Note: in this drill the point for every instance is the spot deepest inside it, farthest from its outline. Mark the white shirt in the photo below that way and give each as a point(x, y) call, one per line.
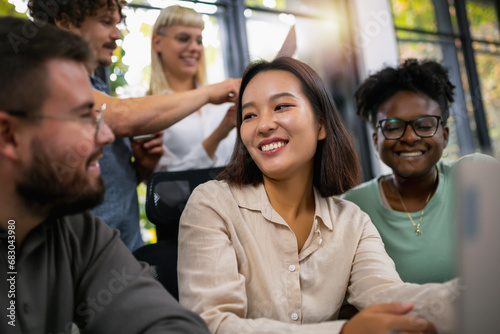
point(183, 141)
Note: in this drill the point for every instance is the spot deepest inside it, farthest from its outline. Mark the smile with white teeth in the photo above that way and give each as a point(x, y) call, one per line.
point(190, 59)
point(272, 146)
point(410, 154)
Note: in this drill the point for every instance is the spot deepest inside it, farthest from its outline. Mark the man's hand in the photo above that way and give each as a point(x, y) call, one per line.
point(147, 153)
point(225, 91)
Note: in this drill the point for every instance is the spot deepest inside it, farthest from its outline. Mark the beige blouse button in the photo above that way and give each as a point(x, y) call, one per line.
point(295, 316)
point(291, 267)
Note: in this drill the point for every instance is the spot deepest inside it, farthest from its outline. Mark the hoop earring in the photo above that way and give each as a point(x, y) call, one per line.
point(445, 153)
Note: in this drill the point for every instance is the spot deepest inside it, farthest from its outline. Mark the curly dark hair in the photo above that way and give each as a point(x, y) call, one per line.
point(76, 10)
point(427, 77)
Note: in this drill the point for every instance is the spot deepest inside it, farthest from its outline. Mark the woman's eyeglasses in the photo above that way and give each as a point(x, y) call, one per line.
point(424, 126)
point(183, 38)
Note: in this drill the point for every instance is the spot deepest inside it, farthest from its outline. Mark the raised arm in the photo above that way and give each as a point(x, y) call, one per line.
point(212, 151)
point(150, 114)
point(228, 123)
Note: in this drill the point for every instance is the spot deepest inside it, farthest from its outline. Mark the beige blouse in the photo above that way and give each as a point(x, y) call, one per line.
point(240, 269)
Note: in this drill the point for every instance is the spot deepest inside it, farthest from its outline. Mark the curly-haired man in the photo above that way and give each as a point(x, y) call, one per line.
point(125, 162)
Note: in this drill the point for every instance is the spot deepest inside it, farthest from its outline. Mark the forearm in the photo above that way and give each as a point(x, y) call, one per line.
point(374, 280)
point(144, 115)
point(211, 143)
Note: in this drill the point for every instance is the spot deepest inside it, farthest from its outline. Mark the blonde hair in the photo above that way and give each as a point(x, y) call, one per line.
point(171, 16)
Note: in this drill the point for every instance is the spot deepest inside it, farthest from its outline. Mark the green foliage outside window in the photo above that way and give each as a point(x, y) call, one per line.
point(8, 9)
point(484, 25)
point(415, 14)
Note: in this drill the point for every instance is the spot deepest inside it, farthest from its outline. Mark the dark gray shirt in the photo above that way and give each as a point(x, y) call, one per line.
point(76, 269)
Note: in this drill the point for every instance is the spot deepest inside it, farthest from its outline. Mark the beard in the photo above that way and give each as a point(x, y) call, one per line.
point(46, 192)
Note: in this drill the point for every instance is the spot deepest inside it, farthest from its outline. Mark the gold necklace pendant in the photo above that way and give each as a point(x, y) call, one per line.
point(418, 232)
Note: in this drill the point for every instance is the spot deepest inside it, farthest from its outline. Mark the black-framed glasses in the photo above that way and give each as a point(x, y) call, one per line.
point(395, 128)
point(96, 121)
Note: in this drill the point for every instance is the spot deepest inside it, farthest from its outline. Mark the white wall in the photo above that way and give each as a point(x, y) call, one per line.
point(376, 47)
point(374, 36)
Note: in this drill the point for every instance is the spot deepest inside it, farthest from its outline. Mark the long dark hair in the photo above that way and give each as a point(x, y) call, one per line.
point(336, 165)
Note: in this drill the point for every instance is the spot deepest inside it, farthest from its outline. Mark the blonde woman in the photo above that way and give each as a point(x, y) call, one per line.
point(204, 138)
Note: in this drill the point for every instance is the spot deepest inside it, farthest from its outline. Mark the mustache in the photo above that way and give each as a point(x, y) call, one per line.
point(111, 45)
point(97, 153)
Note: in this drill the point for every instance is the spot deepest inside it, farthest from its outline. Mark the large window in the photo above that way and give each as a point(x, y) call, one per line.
point(464, 35)
point(130, 73)
point(484, 27)
point(323, 38)
point(240, 31)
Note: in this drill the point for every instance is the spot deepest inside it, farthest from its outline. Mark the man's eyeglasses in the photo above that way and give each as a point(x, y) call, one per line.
point(424, 126)
point(96, 121)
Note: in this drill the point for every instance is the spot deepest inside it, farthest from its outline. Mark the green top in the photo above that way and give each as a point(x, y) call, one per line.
point(419, 259)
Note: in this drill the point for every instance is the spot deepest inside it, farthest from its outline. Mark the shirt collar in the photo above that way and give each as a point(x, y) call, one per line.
point(255, 198)
point(322, 211)
point(98, 84)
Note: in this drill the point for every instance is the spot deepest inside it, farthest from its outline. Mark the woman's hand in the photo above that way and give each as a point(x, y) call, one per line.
point(211, 143)
point(387, 318)
point(228, 122)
